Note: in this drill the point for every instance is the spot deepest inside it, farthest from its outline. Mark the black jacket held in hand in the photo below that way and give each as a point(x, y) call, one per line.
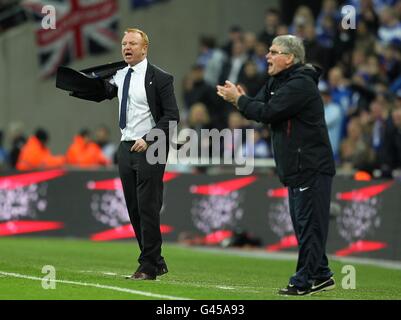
point(290, 102)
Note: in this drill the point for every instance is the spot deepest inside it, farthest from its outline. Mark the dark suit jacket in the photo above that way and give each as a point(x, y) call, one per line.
point(93, 84)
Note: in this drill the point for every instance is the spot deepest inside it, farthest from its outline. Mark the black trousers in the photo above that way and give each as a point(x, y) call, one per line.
point(310, 213)
point(143, 192)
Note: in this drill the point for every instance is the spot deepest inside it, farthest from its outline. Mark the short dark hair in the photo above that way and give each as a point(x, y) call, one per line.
point(42, 135)
point(272, 11)
point(208, 41)
point(84, 132)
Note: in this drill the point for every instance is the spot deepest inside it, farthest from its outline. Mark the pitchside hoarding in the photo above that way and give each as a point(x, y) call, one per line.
point(200, 209)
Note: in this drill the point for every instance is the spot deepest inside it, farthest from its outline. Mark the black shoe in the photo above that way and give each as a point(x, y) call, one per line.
point(292, 290)
point(323, 285)
point(161, 270)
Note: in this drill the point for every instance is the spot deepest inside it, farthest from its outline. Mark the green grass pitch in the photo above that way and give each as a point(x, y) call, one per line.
point(89, 270)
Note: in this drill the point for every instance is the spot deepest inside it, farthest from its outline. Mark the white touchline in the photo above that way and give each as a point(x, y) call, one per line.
point(96, 285)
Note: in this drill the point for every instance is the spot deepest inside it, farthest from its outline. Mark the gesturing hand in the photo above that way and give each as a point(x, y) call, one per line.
point(230, 92)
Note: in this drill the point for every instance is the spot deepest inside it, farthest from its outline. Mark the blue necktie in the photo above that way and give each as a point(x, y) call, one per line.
point(123, 111)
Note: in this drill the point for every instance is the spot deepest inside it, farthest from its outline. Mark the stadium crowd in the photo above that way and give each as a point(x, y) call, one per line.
point(360, 87)
point(86, 150)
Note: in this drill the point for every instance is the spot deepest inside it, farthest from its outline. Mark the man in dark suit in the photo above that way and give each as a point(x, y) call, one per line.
point(147, 105)
point(150, 104)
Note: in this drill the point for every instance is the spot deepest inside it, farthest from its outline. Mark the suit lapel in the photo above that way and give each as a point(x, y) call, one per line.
point(150, 87)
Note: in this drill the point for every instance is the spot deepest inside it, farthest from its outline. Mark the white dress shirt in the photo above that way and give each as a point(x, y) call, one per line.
point(139, 118)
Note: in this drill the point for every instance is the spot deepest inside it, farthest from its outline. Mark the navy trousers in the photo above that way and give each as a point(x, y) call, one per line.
point(310, 212)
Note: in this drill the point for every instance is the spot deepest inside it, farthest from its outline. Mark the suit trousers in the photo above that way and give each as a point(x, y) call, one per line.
point(310, 213)
point(143, 192)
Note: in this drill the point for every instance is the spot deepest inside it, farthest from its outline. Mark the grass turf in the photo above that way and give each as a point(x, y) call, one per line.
point(194, 274)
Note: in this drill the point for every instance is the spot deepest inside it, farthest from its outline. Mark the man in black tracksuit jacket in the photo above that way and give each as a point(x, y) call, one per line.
point(290, 102)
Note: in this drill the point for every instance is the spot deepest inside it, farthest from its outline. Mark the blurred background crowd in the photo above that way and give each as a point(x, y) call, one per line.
point(360, 87)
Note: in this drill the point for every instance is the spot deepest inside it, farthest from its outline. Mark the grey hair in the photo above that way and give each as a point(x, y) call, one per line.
point(291, 44)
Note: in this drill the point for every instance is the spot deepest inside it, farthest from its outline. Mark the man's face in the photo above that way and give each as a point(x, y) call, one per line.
point(278, 60)
point(133, 48)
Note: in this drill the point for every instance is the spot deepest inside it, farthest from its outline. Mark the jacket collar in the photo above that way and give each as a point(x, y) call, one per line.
point(286, 72)
point(140, 67)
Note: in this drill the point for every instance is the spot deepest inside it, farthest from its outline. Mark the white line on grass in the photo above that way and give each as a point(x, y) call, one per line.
point(96, 285)
point(260, 253)
point(225, 288)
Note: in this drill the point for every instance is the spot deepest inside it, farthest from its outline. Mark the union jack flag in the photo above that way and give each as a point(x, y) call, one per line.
point(82, 27)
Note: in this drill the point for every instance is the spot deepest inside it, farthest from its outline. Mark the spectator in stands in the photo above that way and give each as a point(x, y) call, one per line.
point(235, 34)
point(397, 9)
point(251, 80)
point(3, 154)
point(259, 57)
point(315, 52)
point(364, 39)
point(232, 146)
point(327, 32)
point(329, 8)
point(36, 155)
point(358, 59)
point(355, 151)
point(259, 148)
point(103, 140)
point(18, 140)
point(206, 46)
point(390, 26)
point(334, 117)
point(196, 89)
point(211, 59)
point(391, 62)
point(272, 21)
point(392, 142)
point(233, 68)
point(362, 95)
point(84, 153)
point(199, 119)
point(303, 16)
point(379, 115)
point(282, 29)
point(339, 90)
point(397, 102)
point(374, 73)
point(366, 11)
point(249, 43)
